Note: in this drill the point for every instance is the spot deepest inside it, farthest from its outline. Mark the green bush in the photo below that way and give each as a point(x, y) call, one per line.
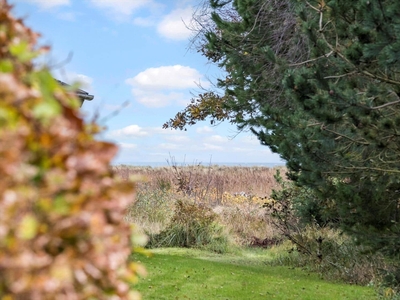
point(62, 229)
point(192, 226)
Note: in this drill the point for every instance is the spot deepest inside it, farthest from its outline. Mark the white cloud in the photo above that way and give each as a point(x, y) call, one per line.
point(168, 146)
point(119, 7)
point(207, 146)
point(166, 77)
point(178, 138)
point(216, 139)
point(239, 149)
point(127, 145)
point(145, 22)
point(129, 131)
point(154, 99)
point(160, 130)
point(174, 25)
point(84, 81)
point(47, 4)
point(204, 129)
point(159, 87)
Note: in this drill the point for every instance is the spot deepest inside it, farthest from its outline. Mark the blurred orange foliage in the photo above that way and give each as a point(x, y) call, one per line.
point(62, 229)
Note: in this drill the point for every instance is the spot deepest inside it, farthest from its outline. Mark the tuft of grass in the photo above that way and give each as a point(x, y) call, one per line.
point(192, 226)
point(153, 209)
point(245, 222)
point(194, 274)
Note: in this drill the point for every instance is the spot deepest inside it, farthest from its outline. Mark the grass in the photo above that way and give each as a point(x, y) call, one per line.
point(194, 274)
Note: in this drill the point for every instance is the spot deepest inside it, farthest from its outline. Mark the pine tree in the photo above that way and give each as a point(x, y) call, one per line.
point(319, 83)
point(350, 88)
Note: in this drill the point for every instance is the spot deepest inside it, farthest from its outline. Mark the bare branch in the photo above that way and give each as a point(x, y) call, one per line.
point(311, 60)
point(312, 6)
point(383, 105)
point(344, 136)
point(340, 76)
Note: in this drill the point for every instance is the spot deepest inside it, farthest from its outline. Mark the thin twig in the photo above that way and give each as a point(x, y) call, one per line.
point(311, 60)
point(382, 106)
point(340, 76)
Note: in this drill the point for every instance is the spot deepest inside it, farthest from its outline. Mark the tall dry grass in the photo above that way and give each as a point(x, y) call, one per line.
point(206, 183)
point(235, 194)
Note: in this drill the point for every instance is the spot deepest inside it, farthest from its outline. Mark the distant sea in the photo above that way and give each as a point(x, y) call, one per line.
point(228, 164)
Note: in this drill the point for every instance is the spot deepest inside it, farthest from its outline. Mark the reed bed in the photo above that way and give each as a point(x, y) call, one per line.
point(209, 184)
point(235, 194)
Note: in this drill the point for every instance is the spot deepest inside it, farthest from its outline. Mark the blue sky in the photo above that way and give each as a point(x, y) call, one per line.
point(134, 56)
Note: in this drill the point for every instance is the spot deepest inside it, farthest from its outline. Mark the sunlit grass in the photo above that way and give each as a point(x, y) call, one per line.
point(195, 274)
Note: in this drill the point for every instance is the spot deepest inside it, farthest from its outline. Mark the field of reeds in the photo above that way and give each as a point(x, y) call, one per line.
point(234, 194)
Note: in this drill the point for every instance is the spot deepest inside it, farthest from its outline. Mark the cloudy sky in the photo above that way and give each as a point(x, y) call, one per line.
point(134, 56)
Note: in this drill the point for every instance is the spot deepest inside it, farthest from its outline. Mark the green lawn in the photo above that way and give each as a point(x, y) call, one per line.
point(192, 274)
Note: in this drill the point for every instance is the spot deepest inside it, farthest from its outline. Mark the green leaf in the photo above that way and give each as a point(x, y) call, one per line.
point(22, 51)
point(28, 227)
point(61, 206)
point(6, 66)
point(47, 110)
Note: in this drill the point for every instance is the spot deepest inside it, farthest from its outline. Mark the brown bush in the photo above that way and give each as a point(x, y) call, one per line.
point(62, 234)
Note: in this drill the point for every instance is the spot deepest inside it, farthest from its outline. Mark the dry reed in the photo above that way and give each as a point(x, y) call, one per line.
point(236, 194)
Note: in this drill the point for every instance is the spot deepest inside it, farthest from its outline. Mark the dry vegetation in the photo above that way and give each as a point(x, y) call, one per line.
point(206, 183)
point(235, 194)
point(223, 208)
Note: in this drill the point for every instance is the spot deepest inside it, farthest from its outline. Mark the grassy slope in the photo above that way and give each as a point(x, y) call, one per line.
point(192, 274)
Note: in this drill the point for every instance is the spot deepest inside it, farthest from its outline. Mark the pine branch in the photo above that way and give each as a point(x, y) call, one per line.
point(342, 56)
point(344, 136)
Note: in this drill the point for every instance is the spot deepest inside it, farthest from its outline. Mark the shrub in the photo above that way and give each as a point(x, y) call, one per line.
point(246, 222)
point(192, 226)
point(336, 256)
point(153, 209)
point(317, 243)
point(62, 234)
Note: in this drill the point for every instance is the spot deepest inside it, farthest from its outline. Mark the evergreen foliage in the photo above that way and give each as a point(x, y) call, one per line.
point(62, 229)
point(319, 83)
